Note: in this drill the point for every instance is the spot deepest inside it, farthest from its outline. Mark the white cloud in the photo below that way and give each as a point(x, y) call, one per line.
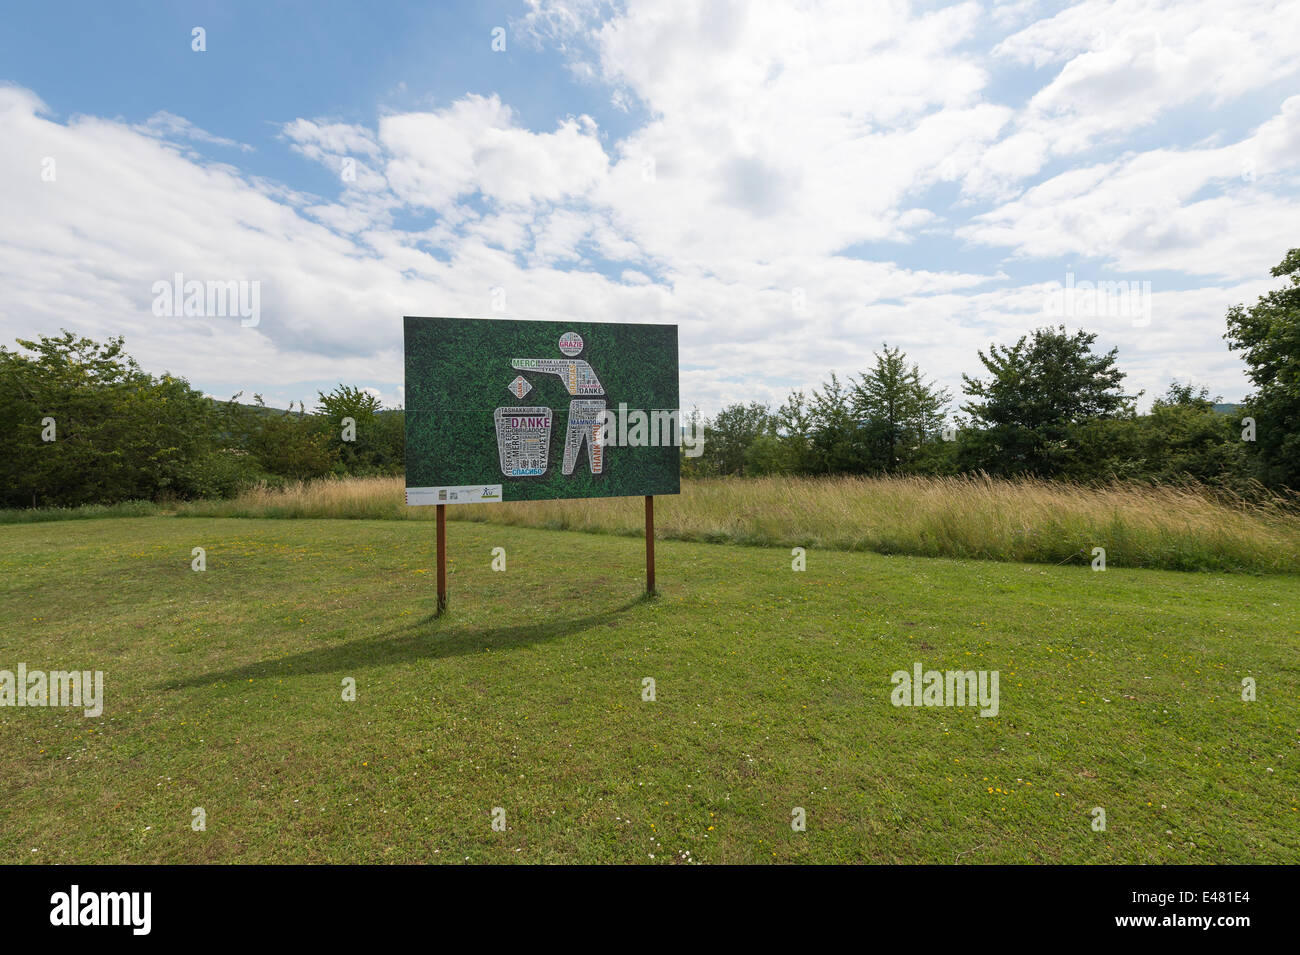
point(165, 124)
point(768, 140)
point(475, 146)
point(1125, 64)
point(1150, 211)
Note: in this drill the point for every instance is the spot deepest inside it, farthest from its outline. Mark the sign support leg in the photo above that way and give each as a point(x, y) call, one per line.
point(649, 545)
point(442, 559)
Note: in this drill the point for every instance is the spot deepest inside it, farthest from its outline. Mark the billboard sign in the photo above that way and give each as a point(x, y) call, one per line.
point(501, 410)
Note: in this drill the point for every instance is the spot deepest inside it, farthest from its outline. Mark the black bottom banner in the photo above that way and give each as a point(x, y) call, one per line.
point(211, 904)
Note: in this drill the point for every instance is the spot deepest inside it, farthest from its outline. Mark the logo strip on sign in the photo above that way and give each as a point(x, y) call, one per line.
point(461, 494)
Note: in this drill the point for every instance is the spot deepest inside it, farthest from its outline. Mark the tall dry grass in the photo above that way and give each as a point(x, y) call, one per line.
point(964, 517)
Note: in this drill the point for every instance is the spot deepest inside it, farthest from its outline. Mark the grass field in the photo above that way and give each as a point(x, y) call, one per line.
point(1119, 690)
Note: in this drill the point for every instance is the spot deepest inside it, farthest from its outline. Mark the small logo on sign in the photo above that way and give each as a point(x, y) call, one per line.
point(570, 343)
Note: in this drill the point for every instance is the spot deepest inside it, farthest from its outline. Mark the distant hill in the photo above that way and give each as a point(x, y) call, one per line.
point(1227, 408)
point(267, 410)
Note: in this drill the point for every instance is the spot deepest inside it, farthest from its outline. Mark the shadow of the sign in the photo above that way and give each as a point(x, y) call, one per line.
point(431, 638)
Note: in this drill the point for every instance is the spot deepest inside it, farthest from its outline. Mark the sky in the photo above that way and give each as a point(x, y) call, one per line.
point(792, 184)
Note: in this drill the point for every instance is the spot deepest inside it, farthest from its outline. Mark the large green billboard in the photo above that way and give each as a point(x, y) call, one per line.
point(500, 410)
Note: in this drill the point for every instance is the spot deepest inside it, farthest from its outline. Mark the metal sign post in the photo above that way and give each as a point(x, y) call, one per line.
point(442, 558)
point(650, 544)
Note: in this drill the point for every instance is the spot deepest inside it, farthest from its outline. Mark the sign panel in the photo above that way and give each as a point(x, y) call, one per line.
point(501, 410)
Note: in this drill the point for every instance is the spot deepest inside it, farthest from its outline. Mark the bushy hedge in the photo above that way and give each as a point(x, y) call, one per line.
point(89, 426)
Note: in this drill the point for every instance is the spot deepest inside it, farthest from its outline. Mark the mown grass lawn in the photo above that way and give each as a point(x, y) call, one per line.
point(1119, 690)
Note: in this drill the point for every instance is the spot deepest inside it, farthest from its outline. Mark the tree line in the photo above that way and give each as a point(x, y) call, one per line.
point(89, 426)
point(1048, 405)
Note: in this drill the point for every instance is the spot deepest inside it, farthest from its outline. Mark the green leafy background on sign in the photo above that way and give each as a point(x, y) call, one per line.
point(457, 370)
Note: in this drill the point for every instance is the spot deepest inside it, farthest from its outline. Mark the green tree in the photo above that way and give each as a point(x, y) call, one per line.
point(838, 445)
point(390, 440)
point(360, 431)
point(290, 444)
point(1184, 437)
point(1268, 335)
point(697, 465)
point(730, 434)
point(1039, 390)
point(766, 454)
point(1187, 395)
point(899, 408)
point(793, 425)
point(118, 433)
